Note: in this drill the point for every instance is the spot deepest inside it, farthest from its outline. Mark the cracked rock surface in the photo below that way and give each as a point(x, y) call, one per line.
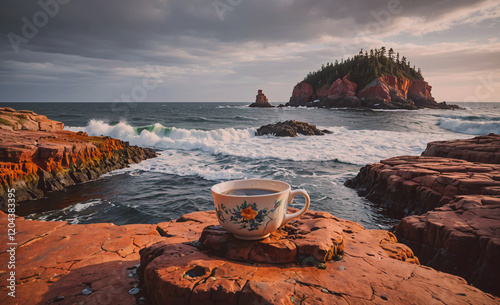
point(74, 264)
point(374, 269)
point(483, 149)
point(313, 237)
point(61, 263)
point(457, 185)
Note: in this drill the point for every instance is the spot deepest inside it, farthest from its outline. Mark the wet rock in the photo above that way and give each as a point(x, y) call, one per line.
point(290, 129)
point(134, 291)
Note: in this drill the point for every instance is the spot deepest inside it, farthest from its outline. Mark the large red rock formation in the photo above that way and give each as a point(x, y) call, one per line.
point(385, 92)
point(340, 88)
point(461, 199)
point(35, 161)
point(303, 93)
point(342, 93)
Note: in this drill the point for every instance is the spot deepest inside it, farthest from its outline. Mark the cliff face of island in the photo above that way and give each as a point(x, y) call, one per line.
point(452, 193)
point(37, 156)
point(372, 81)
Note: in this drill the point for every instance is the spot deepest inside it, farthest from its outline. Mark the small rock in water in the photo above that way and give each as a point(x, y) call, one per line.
point(130, 274)
point(59, 298)
point(87, 291)
point(134, 290)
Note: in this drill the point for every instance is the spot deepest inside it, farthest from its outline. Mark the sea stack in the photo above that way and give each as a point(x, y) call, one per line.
point(261, 101)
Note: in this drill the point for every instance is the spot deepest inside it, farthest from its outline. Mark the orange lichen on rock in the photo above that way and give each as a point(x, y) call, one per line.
point(34, 161)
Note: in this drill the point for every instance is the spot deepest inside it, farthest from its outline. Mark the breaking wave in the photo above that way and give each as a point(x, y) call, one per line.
point(471, 125)
point(344, 145)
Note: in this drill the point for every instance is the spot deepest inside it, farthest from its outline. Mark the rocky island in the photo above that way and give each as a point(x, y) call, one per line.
point(37, 156)
point(377, 79)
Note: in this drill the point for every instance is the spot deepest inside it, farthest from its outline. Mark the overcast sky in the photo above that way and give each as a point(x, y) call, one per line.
point(225, 50)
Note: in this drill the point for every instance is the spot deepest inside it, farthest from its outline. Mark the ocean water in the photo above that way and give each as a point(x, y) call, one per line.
point(201, 144)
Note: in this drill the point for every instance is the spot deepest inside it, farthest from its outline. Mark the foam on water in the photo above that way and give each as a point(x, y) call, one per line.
point(73, 214)
point(344, 145)
point(471, 125)
point(190, 163)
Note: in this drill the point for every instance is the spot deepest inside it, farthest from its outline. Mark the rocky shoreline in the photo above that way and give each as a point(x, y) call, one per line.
point(318, 259)
point(166, 262)
point(37, 156)
point(457, 185)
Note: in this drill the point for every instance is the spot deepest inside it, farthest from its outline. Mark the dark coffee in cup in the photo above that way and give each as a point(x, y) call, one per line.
point(249, 192)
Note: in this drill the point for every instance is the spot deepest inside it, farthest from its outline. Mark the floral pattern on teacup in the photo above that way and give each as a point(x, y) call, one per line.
point(248, 216)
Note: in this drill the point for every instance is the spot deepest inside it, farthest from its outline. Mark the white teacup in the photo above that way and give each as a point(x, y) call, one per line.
point(252, 209)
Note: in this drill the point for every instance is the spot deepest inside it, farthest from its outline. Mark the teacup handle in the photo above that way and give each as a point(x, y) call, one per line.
point(289, 217)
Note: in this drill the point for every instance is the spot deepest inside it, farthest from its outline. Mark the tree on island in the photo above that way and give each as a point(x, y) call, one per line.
point(364, 68)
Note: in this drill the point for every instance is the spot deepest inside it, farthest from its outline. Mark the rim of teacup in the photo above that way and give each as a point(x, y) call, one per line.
point(215, 188)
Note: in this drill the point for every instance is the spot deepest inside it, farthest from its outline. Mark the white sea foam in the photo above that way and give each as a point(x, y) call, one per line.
point(470, 126)
point(191, 163)
point(349, 146)
point(76, 211)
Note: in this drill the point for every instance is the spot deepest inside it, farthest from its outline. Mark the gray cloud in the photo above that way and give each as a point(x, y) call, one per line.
point(104, 46)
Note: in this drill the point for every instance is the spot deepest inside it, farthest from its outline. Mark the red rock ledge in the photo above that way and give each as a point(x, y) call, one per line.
point(37, 156)
point(483, 149)
point(462, 238)
point(460, 231)
point(63, 263)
